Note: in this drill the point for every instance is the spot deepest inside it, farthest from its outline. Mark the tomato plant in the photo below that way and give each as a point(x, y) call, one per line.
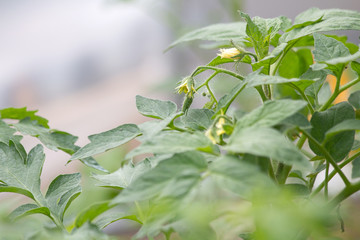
point(216, 172)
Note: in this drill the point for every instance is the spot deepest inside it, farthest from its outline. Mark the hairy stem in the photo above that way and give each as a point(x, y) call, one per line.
point(344, 194)
point(303, 95)
point(335, 93)
point(333, 173)
point(328, 157)
point(220, 70)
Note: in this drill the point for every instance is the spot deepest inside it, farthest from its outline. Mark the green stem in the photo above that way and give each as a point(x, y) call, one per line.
point(344, 194)
point(279, 60)
point(335, 93)
point(220, 70)
point(207, 80)
point(211, 93)
point(172, 125)
point(267, 90)
point(261, 93)
point(301, 141)
point(282, 173)
point(328, 157)
point(326, 189)
point(349, 84)
point(283, 170)
point(333, 173)
point(303, 95)
point(53, 218)
point(271, 171)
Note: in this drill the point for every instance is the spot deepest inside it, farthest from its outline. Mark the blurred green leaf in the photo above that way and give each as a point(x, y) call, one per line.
point(28, 209)
point(171, 178)
point(238, 176)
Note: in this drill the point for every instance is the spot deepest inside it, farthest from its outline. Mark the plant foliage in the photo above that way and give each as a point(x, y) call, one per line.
point(214, 173)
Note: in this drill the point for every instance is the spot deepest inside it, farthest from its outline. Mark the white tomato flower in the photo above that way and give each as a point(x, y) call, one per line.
point(228, 52)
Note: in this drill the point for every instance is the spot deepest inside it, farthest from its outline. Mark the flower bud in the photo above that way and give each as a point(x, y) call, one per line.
point(230, 52)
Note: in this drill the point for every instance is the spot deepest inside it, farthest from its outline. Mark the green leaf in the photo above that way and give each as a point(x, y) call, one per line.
point(155, 108)
point(61, 192)
point(309, 17)
point(150, 129)
point(343, 60)
point(88, 231)
point(6, 135)
point(266, 142)
point(173, 142)
point(28, 209)
point(271, 113)
point(19, 176)
point(22, 113)
point(124, 176)
point(218, 32)
point(354, 99)
point(327, 48)
point(346, 125)
point(297, 120)
point(238, 176)
point(23, 177)
point(91, 162)
point(171, 178)
point(197, 119)
point(261, 31)
point(295, 63)
point(218, 61)
point(247, 236)
point(52, 139)
point(257, 79)
point(340, 144)
point(270, 59)
point(356, 67)
point(225, 102)
point(319, 78)
point(356, 168)
point(297, 189)
point(332, 20)
point(102, 142)
point(90, 213)
point(112, 216)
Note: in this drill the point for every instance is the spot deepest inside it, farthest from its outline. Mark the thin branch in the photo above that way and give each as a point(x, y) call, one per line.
point(328, 157)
